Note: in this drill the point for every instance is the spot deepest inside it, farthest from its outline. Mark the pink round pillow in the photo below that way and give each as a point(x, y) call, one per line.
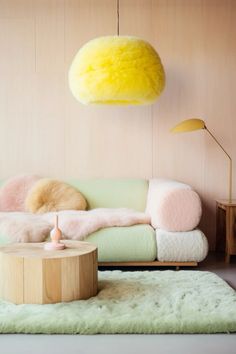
point(177, 210)
point(13, 192)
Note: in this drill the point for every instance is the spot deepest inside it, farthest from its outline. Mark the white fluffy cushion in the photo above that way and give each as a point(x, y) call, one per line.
point(191, 246)
point(173, 206)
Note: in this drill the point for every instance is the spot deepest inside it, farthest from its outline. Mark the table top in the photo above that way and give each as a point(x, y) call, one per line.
point(226, 202)
point(36, 250)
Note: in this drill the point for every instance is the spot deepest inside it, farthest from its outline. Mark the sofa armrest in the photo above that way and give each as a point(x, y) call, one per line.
point(172, 205)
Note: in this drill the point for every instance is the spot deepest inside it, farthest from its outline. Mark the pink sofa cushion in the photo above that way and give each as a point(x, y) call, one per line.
point(173, 206)
point(13, 192)
point(178, 210)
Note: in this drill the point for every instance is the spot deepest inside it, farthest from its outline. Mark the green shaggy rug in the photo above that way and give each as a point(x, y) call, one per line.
point(134, 302)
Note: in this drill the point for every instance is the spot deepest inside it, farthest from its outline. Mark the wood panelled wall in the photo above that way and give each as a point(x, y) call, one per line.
point(44, 130)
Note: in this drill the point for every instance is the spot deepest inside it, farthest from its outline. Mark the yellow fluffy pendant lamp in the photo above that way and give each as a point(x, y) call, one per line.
point(117, 70)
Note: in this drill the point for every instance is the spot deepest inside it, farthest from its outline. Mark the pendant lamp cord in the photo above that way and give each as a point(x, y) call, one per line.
point(118, 16)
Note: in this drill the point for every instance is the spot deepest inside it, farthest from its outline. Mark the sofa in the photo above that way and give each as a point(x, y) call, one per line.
point(171, 238)
point(144, 244)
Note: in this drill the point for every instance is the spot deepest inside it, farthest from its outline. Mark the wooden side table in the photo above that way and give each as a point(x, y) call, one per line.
point(31, 275)
point(225, 225)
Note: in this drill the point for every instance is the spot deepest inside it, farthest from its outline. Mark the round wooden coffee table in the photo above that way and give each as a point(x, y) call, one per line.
point(31, 275)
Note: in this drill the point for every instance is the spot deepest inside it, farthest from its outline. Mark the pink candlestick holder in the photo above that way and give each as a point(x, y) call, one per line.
point(56, 236)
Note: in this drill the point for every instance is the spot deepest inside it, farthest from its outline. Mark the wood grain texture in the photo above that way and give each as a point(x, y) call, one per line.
point(44, 130)
point(225, 227)
point(29, 274)
point(70, 287)
point(12, 269)
point(32, 291)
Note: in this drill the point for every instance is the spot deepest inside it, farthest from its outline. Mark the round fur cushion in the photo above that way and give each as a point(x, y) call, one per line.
point(13, 193)
point(52, 195)
point(177, 210)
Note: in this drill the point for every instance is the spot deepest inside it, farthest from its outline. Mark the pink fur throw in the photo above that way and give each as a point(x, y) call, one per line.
point(173, 206)
point(76, 225)
point(13, 192)
point(23, 227)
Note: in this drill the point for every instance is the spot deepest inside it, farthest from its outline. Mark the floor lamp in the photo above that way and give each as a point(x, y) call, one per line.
point(198, 124)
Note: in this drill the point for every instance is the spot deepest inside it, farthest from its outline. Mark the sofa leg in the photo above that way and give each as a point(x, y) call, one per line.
point(177, 267)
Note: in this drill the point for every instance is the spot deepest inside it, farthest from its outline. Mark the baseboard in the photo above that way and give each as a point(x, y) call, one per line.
point(147, 264)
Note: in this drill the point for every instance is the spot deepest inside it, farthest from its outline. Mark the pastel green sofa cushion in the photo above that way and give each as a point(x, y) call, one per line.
point(120, 244)
point(113, 193)
point(124, 244)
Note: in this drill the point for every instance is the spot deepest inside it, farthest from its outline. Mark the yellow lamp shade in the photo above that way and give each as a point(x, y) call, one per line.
point(120, 70)
point(189, 125)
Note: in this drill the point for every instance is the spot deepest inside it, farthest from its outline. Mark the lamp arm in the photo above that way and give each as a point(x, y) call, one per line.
point(230, 163)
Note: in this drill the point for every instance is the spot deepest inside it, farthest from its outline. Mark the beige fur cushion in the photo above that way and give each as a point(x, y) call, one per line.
point(52, 195)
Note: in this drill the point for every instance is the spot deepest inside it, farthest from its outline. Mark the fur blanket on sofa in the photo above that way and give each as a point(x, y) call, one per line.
point(76, 225)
